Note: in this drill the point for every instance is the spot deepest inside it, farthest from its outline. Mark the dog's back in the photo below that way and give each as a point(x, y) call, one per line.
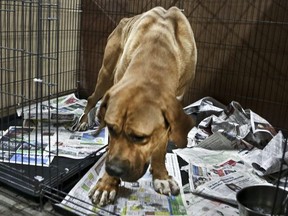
point(157, 41)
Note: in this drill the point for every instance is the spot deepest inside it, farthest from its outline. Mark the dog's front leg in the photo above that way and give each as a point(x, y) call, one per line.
point(103, 84)
point(162, 182)
point(105, 190)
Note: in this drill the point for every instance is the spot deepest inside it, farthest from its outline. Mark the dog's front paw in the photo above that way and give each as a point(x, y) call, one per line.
point(80, 124)
point(104, 192)
point(166, 186)
point(83, 126)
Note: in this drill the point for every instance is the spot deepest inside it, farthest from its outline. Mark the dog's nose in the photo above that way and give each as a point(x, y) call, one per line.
point(116, 167)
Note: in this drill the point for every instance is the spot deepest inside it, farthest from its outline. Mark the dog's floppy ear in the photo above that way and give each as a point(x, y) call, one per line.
point(178, 122)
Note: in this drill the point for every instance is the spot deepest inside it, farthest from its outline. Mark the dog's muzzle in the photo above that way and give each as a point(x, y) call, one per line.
point(116, 167)
point(122, 169)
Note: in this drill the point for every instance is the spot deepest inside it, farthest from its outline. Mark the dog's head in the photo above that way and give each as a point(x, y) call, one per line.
point(140, 121)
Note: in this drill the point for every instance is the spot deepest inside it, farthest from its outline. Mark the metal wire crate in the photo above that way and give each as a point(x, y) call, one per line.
point(39, 61)
point(50, 48)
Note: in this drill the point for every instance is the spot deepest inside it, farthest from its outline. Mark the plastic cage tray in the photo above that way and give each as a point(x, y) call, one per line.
point(62, 173)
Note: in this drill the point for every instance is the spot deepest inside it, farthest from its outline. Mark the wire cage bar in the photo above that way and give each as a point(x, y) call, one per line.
point(51, 48)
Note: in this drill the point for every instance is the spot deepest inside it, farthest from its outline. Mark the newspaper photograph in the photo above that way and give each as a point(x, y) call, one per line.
point(138, 198)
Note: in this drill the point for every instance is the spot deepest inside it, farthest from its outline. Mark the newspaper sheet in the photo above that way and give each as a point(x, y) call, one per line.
point(38, 146)
point(78, 145)
point(26, 146)
point(137, 198)
point(218, 174)
point(62, 110)
point(66, 112)
point(205, 105)
point(200, 206)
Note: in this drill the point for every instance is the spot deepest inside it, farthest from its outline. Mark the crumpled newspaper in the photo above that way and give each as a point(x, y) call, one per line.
point(231, 127)
point(272, 158)
point(241, 128)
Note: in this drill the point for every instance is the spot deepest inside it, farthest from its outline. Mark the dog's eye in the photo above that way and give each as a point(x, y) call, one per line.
point(137, 139)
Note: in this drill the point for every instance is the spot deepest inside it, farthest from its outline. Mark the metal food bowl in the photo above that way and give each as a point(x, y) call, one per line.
point(262, 200)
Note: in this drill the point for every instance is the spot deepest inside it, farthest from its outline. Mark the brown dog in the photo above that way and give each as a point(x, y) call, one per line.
point(148, 62)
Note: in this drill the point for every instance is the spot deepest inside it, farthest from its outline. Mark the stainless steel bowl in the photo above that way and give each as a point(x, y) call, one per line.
point(262, 200)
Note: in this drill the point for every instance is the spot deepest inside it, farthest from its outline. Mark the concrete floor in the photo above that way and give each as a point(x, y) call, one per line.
point(13, 204)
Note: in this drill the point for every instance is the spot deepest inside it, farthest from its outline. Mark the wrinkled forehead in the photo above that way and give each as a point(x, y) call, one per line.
point(140, 118)
point(144, 119)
